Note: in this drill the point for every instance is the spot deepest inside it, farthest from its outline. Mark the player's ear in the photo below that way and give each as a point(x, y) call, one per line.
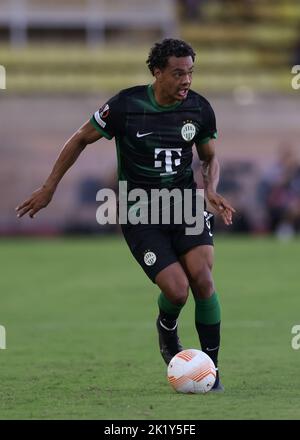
point(157, 73)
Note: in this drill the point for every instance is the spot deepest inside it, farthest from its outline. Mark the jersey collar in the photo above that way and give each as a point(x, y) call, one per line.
point(155, 103)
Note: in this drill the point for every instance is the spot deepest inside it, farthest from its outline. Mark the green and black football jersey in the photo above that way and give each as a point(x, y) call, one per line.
point(154, 143)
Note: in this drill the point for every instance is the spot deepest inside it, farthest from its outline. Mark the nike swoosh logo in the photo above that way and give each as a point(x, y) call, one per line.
point(212, 349)
point(140, 135)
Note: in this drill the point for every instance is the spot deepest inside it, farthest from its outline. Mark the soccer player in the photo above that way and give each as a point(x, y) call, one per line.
point(155, 127)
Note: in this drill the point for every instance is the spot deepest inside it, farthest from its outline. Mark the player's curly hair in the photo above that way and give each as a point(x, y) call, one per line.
point(160, 52)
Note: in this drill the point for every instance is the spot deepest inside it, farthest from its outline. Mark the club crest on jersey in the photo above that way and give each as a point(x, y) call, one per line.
point(102, 114)
point(149, 258)
point(188, 131)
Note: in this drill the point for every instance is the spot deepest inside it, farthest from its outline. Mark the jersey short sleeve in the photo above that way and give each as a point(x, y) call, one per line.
point(107, 120)
point(209, 128)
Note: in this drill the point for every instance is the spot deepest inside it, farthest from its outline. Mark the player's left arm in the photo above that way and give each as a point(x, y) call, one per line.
point(211, 175)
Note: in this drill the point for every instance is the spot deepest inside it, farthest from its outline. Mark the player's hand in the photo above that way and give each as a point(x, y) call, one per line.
point(221, 205)
point(38, 200)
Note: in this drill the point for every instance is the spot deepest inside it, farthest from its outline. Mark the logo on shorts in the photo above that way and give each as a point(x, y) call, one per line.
point(149, 258)
point(207, 217)
point(188, 131)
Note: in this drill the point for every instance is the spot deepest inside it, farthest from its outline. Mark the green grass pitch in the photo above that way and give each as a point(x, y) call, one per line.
point(81, 339)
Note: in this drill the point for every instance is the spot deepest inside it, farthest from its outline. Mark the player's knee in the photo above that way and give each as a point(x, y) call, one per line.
point(179, 291)
point(203, 285)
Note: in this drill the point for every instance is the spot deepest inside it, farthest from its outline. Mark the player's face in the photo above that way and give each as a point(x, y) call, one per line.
point(176, 78)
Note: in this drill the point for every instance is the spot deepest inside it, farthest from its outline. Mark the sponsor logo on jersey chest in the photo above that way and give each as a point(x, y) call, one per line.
point(188, 131)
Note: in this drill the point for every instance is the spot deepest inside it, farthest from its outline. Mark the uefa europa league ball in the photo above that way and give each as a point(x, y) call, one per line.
point(191, 371)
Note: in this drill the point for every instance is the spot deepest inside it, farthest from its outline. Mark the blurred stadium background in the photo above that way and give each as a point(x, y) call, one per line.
point(64, 58)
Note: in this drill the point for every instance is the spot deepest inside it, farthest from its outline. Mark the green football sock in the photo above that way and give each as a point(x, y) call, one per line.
point(168, 311)
point(208, 310)
point(207, 320)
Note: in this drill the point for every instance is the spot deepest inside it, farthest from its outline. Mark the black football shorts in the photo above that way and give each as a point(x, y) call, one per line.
point(157, 246)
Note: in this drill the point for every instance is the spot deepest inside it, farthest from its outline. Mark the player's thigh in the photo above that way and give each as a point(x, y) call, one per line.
point(198, 263)
point(173, 282)
point(151, 246)
point(197, 259)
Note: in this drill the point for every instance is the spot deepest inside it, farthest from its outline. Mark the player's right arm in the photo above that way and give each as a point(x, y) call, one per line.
point(87, 134)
